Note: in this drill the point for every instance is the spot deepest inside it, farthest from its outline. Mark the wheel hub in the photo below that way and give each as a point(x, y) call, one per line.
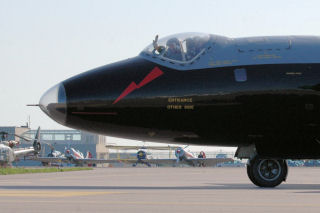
point(269, 170)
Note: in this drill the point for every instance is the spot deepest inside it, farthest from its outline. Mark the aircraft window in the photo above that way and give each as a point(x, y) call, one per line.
point(59, 137)
point(240, 75)
point(47, 137)
point(76, 137)
point(180, 48)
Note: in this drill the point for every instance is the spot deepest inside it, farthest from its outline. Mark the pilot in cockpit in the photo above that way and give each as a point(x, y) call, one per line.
point(180, 48)
point(173, 49)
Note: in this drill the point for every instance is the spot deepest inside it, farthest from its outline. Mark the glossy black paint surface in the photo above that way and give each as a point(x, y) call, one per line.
point(277, 107)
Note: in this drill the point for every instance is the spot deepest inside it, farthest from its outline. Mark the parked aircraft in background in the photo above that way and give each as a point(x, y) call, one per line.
point(70, 156)
point(54, 152)
point(9, 154)
point(261, 94)
point(182, 156)
point(142, 154)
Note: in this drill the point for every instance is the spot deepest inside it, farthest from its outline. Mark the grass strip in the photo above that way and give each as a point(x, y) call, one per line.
point(22, 170)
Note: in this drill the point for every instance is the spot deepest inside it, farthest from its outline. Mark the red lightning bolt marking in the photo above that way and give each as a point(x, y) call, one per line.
point(155, 73)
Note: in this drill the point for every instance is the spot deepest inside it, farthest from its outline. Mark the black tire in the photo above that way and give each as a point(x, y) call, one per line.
point(250, 174)
point(267, 172)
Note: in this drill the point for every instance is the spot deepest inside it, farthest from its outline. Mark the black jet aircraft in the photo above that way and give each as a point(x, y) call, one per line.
point(261, 94)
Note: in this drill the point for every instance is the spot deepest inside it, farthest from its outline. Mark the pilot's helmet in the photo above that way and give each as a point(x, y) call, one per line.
point(173, 44)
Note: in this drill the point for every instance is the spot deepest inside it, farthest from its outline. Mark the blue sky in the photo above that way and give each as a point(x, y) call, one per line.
point(44, 42)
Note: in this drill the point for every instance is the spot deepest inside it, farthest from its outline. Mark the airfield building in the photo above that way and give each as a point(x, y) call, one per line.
point(14, 130)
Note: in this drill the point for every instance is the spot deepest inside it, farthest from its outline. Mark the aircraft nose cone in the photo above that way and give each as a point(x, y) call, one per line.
point(53, 103)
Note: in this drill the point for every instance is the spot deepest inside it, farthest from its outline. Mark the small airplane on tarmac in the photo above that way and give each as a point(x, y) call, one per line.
point(9, 154)
point(182, 156)
point(54, 152)
point(71, 156)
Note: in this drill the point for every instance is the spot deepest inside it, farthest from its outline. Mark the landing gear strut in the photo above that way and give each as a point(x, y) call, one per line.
point(267, 172)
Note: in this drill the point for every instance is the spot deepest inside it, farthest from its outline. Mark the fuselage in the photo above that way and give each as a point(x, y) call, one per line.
point(234, 92)
point(74, 154)
point(183, 154)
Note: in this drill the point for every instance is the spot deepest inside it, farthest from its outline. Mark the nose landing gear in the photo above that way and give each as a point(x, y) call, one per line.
point(267, 172)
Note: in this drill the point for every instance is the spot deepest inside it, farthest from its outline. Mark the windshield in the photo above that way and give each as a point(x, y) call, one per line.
point(180, 47)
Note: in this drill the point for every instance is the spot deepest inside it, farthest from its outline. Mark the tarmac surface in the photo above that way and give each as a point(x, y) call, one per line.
point(158, 190)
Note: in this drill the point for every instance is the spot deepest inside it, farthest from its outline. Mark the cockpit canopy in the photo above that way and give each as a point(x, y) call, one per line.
point(181, 48)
